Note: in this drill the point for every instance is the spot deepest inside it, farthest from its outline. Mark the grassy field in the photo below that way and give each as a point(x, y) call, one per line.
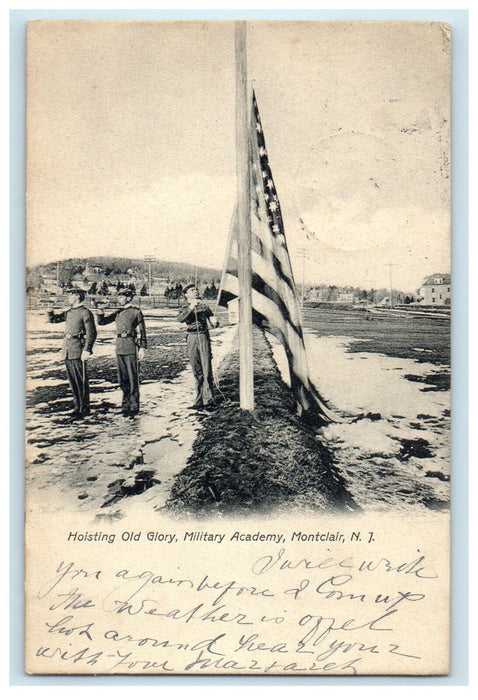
point(423, 339)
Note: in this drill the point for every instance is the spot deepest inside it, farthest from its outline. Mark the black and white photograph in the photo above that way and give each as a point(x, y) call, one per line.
point(238, 296)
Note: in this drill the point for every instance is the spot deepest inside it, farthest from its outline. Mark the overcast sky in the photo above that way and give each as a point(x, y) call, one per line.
point(131, 142)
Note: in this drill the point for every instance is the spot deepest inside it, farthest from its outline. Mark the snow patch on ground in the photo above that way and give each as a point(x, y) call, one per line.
point(398, 460)
point(90, 463)
point(412, 437)
point(371, 382)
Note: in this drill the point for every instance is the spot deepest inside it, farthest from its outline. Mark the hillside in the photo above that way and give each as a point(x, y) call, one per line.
point(111, 265)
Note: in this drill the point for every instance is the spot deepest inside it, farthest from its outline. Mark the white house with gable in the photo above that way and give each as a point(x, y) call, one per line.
point(435, 290)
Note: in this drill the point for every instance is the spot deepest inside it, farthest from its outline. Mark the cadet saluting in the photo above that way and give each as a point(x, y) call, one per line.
point(196, 316)
point(129, 319)
point(80, 335)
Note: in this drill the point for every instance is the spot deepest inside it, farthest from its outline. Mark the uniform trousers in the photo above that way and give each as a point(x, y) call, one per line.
point(200, 357)
point(78, 379)
point(129, 381)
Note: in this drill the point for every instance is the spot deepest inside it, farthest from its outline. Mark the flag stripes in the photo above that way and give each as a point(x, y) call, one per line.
point(258, 246)
point(267, 289)
point(274, 297)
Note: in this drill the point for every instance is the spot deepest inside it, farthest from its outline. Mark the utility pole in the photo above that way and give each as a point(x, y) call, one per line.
point(149, 259)
point(305, 256)
point(390, 265)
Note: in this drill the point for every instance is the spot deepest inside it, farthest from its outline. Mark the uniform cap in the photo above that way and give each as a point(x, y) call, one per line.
point(80, 293)
point(128, 293)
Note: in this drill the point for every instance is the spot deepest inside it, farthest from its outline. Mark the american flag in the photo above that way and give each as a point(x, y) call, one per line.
point(274, 297)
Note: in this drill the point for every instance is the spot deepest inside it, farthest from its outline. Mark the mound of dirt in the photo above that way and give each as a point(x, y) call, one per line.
point(258, 461)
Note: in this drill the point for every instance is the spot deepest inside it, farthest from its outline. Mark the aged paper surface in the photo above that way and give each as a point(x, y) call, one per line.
point(166, 539)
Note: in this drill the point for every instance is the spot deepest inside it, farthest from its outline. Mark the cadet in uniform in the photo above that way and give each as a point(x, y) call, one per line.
point(80, 335)
point(129, 320)
point(196, 316)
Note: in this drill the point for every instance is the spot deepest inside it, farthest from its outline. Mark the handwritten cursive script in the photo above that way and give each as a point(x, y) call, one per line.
point(327, 615)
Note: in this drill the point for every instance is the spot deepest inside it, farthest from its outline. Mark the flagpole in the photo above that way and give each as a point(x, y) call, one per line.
point(246, 368)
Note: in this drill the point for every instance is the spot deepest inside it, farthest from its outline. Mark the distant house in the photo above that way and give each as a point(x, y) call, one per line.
point(318, 294)
point(346, 297)
point(92, 272)
point(50, 286)
point(435, 290)
point(233, 311)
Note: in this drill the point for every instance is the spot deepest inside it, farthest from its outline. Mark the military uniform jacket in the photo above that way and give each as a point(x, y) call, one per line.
point(195, 319)
point(129, 320)
point(80, 331)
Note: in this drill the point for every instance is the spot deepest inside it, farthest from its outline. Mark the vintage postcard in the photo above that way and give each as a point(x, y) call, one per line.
point(238, 348)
